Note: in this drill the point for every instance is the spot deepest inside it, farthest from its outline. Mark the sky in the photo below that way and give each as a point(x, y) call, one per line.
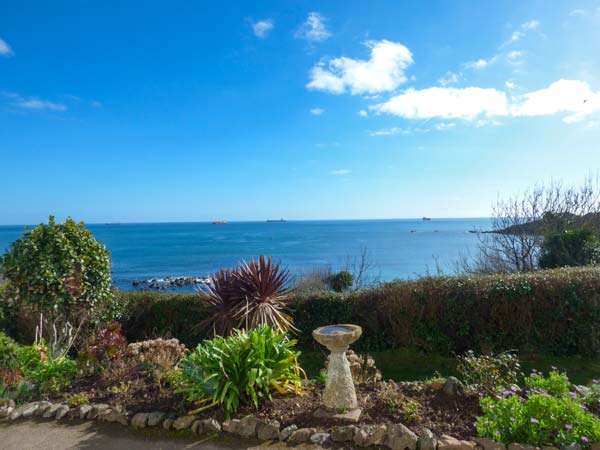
point(125, 111)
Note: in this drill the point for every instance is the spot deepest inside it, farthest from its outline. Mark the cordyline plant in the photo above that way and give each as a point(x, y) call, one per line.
point(248, 296)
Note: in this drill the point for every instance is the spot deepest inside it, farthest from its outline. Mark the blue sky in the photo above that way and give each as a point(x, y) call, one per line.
point(153, 111)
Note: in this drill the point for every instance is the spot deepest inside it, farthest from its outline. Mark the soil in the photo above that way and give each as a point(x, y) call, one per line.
point(441, 413)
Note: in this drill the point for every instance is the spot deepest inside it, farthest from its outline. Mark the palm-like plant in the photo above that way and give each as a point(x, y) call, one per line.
point(224, 296)
point(264, 287)
point(251, 295)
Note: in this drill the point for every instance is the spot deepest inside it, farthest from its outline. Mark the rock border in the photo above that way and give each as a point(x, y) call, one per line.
point(394, 436)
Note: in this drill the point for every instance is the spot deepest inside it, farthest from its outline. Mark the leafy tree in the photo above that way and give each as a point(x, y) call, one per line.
point(59, 269)
point(571, 248)
point(341, 281)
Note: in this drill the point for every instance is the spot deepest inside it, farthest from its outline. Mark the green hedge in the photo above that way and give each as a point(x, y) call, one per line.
point(553, 311)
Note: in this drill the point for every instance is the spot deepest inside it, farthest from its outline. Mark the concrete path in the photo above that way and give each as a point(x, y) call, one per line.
point(26, 435)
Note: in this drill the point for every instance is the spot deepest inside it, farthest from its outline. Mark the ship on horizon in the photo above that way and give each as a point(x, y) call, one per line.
point(277, 220)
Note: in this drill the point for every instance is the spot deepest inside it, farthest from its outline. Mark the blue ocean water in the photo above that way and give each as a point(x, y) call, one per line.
point(404, 248)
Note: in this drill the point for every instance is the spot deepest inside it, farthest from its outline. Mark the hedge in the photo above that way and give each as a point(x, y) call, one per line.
point(553, 311)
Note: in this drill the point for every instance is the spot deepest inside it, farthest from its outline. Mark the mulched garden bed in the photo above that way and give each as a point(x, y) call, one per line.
point(443, 414)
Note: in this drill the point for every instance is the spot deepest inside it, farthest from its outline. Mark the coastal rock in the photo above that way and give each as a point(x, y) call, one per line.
point(287, 432)
point(231, 426)
point(489, 444)
point(400, 437)
point(62, 411)
point(140, 420)
point(427, 440)
point(183, 422)
point(97, 410)
point(43, 406)
point(84, 410)
point(211, 426)
point(247, 427)
point(168, 423)
point(449, 443)
point(197, 427)
point(453, 387)
point(343, 434)
point(116, 414)
point(301, 435)
point(319, 438)
point(155, 418)
point(268, 431)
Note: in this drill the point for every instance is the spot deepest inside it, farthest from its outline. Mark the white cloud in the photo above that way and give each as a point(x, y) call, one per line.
point(514, 56)
point(313, 29)
point(577, 13)
point(262, 28)
point(317, 111)
point(363, 113)
point(340, 172)
point(384, 71)
point(5, 49)
point(446, 103)
point(510, 85)
point(523, 29)
point(449, 78)
point(37, 104)
point(481, 63)
point(444, 126)
point(563, 96)
point(389, 131)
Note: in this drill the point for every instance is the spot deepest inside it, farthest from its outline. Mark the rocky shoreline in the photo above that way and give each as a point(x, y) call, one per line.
point(172, 282)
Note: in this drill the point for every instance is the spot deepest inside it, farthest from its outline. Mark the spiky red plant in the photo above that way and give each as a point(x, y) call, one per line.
point(253, 294)
point(264, 285)
point(224, 294)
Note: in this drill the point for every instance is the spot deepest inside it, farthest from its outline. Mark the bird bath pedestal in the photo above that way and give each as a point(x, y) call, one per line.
point(339, 397)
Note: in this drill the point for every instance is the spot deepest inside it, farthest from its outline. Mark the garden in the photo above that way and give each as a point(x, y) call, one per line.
point(234, 359)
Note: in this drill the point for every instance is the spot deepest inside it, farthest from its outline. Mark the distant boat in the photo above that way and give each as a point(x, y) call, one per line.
point(426, 218)
point(276, 220)
point(219, 222)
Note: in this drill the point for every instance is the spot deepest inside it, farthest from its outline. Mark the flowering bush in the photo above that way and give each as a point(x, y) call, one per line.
point(547, 414)
point(489, 374)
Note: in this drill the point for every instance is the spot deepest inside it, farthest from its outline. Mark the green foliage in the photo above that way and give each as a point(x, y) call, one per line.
point(538, 420)
point(341, 281)
point(253, 294)
point(569, 249)
point(8, 352)
point(555, 384)
point(241, 368)
point(77, 399)
point(555, 312)
point(50, 375)
point(59, 269)
point(489, 374)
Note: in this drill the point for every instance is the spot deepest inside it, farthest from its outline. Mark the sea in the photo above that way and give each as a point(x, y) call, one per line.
point(394, 249)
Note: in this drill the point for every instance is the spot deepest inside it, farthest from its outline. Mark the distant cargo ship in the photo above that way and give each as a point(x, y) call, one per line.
point(426, 218)
point(276, 220)
point(219, 222)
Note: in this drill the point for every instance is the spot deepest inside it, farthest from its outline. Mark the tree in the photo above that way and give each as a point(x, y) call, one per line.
point(520, 224)
point(570, 248)
point(61, 270)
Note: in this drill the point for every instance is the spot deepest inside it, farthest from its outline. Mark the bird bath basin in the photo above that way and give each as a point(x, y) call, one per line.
point(339, 397)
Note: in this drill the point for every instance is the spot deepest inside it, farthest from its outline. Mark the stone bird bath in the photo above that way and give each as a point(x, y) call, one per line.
point(339, 397)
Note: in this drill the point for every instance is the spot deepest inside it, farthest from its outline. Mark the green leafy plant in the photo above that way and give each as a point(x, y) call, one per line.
point(8, 352)
point(49, 374)
point(341, 281)
point(254, 294)
point(244, 367)
point(489, 374)
point(60, 269)
point(395, 403)
point(546, 415)
point(569, 249)
point(78, 399)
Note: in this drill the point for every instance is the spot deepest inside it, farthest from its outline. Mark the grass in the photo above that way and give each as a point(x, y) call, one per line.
point(410, 365)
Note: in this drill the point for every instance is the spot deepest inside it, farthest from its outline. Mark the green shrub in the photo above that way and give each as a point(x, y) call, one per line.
point(341, 281)
point(552, 311)
point(50, 375)
point(569, 249)
point(540, 418)
point(60, 269)
point(8, 352)
point(241, 368)
point(489, 374)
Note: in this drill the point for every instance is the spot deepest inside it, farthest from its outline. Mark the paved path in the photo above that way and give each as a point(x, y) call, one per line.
point(94, 435)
